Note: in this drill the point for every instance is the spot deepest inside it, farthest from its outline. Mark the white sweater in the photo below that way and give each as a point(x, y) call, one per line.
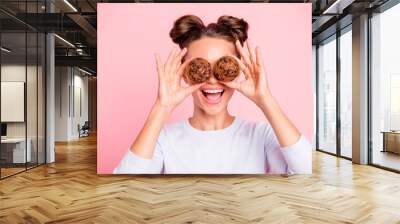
point(242, 148)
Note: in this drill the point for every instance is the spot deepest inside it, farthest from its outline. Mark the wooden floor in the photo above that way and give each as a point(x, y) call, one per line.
point(70, 191)
point(5, 172)
point(388, 159)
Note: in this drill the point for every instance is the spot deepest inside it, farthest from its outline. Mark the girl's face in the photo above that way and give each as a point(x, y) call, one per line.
point(212, 97)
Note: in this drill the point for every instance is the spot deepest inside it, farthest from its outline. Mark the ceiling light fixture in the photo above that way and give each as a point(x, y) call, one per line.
point(337, 7)
point(79, 51)
point(70, 5)
point(84, 71)
point(65, 41)
point(5, 50)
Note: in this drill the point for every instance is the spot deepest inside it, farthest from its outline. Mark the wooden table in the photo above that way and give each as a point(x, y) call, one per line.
point(391, 141)
point(13, 150)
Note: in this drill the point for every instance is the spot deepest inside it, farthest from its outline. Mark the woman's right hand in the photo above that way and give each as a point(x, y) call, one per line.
point(171, 92)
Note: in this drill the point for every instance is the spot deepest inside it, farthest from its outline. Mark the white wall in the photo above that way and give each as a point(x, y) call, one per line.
point(70, 83)
point(62, 81)
point(80, 84)
point(33, 127)
point(12, 101)
point(16, 73)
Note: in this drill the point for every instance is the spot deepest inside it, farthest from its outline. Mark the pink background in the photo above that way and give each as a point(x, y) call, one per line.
point(130, 34)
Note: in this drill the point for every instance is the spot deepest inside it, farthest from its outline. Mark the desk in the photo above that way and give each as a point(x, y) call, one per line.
point(391, 141)
point(17, 151)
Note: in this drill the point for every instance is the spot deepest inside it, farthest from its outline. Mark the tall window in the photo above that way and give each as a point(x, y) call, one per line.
point(346, 92)
point(327, 95)
point(385, 88)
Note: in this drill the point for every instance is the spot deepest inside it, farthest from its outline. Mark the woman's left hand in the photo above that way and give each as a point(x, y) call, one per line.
point(255, 85)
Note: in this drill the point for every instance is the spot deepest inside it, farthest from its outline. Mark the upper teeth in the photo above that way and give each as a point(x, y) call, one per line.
point(213, 90)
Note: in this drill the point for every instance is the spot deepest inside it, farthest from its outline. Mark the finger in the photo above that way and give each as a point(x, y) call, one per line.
point(178, 59)
point(247, 68)
point(190, 89)
point(253, 67)
point(159, 65)
point(180, 72)
point(251, 53)
point(260, 65)
point(243, 55)
point(176, 62)
point(243, 67)
point(172, 62)
point(168, 58)
point(259, 60)
point(182, 68)
point(167, 65)
point(251, 58)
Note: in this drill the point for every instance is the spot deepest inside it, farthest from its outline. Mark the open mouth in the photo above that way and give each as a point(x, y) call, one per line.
point(213, 96)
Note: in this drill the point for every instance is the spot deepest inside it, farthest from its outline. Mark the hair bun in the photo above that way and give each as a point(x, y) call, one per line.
point(238, 27)
point(186, 28)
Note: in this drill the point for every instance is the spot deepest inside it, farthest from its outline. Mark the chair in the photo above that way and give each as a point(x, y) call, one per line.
point(84, 130)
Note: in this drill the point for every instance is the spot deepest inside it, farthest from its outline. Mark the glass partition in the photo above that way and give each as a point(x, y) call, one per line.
point(22, 101)
point(385, 89)
point(41, 107)
point(13, 110)
point(346, 93)
point(31, 100)
point(327, 95)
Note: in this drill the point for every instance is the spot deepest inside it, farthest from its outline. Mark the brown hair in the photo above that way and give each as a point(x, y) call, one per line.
point(189, 28)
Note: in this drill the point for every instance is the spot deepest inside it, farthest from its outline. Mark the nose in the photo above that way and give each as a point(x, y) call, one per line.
point(212, 80)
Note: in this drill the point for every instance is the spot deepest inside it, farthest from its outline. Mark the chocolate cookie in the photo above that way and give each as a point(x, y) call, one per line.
point(226, 69)
point(198, 70)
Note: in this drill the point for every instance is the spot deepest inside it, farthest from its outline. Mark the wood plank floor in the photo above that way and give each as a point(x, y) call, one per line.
point(70, 191)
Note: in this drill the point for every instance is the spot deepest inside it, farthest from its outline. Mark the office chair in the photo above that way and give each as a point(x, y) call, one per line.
point(84, 130)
